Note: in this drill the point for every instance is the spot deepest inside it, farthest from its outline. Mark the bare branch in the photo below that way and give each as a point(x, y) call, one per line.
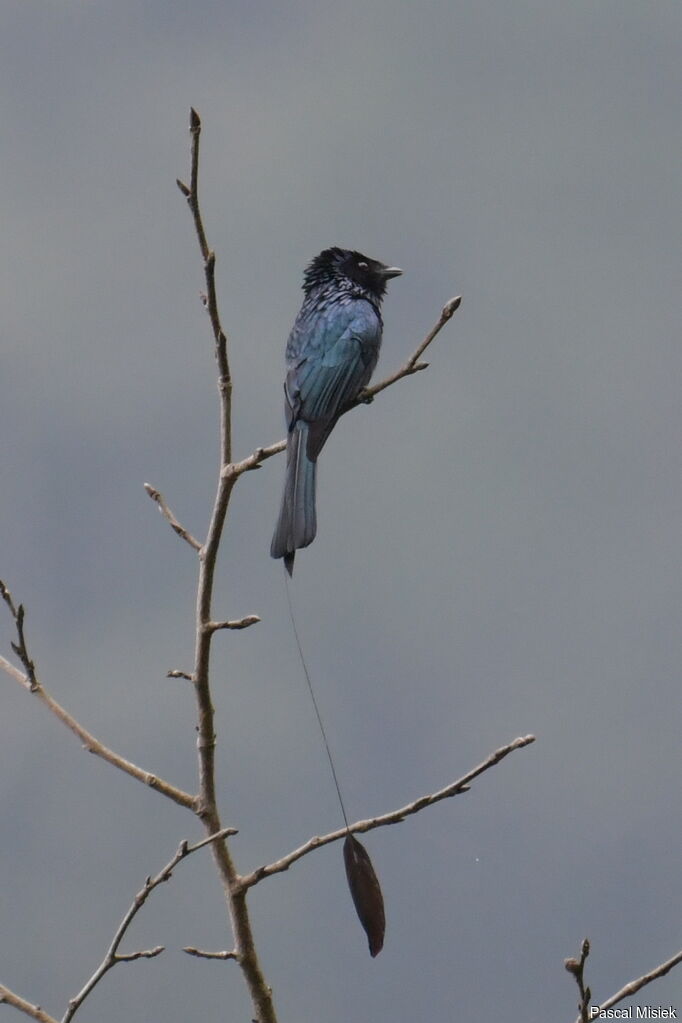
point(113, 956)
point(145, 953)
point(168, 515)
point(395, 817)
point(20, 646)
point(207, 809)
point(210, 299)
point(413, 365)
point(631, 988)
point(176, 673)
point(577, 968)
point(239, 623)
point(30, 681)
point(200, 954)
point(34, 1011)
point(255, 460)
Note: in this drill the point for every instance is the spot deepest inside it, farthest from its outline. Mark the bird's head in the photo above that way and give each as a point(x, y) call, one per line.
point(346, 267)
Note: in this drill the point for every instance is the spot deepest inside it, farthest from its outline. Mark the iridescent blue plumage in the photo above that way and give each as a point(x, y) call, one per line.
point(331, 354)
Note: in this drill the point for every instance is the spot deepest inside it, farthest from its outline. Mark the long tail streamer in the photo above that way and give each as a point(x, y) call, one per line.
point(312, 697)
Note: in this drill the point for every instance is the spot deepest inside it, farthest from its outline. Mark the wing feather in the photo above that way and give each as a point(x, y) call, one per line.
point(329, 371)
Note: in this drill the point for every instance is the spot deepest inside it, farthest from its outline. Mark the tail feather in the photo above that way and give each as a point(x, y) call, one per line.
point(296, 525)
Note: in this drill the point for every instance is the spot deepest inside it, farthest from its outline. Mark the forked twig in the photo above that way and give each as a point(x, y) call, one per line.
point(113, 956)
point(30, 681)
point(577, 966)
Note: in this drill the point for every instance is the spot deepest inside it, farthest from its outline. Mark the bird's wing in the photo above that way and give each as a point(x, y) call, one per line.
point(334, 364)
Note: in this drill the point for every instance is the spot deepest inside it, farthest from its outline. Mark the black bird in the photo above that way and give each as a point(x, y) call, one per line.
point(331, 354)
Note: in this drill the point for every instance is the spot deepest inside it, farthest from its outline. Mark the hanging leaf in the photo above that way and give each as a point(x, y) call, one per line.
point(366, 892)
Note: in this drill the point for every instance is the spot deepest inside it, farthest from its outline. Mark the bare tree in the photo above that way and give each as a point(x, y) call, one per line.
point(203, 803)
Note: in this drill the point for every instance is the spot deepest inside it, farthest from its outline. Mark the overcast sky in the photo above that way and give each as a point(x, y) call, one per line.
point(498, 549)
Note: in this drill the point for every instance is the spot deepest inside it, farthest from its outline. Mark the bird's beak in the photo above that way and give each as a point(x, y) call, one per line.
point(391, 271)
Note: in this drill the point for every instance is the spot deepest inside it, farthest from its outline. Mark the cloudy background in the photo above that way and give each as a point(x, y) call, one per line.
point(499, 537)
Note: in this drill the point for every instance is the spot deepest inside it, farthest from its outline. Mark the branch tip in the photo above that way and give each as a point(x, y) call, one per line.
point(239, 623)
point(170, 518)
point(200, 954)
point(147, 953)
point(451, 306)
point(526, 740)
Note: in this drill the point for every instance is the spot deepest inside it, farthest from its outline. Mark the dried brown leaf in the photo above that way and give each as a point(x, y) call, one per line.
point(366, 892)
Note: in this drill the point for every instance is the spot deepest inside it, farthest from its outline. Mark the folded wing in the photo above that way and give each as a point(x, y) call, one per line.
point(330, 370)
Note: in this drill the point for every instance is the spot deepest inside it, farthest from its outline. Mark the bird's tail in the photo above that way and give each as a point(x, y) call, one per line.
point(297, 522)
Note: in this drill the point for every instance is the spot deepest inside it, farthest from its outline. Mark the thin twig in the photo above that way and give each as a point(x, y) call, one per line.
point(113, 956)
point(239, 623)
point(29, 680)
point(200, 954)
point(168, 515)
point(413, 365)
point(395, 817)
point(255, 459)
point(577, 968)
point(207, 810)
point(19, 647)
point(34, 1011)
point(630, 989)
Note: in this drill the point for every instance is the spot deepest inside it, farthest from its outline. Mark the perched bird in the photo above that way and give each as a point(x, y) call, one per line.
point(331, 354)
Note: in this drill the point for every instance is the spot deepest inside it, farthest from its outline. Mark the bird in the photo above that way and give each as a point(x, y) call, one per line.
point(331, 354)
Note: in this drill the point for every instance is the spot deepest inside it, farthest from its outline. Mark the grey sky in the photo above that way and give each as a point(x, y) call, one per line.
point(499, 537)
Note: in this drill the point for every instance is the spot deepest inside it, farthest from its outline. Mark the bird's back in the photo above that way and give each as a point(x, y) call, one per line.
point(331, 354)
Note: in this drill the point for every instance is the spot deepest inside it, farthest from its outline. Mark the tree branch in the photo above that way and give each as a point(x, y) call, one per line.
point(413, 365)
point(239, 623)
point(395, 817)
point(200, 954)
point(20, 646)
point(34, 1011)
point(576, 967)
point(207, 810)
point(30, 681)
point(255, 460)
point(113, 956)
point(157, 496)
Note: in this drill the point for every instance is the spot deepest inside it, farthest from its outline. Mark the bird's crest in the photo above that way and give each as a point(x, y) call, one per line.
point(347, 267)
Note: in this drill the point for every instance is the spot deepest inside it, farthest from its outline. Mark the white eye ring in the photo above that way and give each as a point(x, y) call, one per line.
point(363, 266)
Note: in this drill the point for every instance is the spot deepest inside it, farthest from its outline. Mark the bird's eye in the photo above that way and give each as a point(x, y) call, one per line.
point(363, 266)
